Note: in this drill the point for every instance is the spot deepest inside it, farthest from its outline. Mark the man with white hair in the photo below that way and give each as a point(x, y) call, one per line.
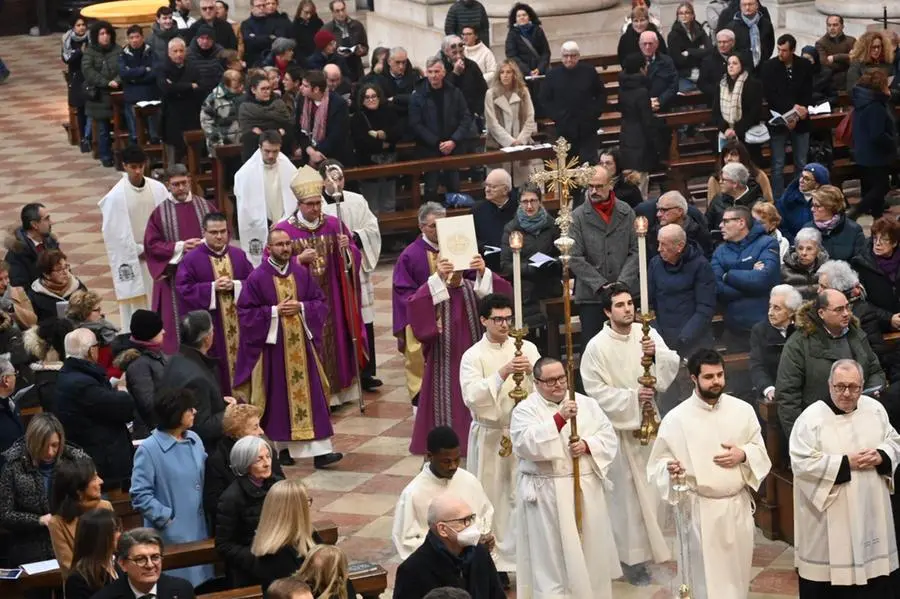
point(492, 215)
point(661, 72)
point(737, 190)
point(712, 67)
point(398, 80)
point(574, 97)
point(11, 427)
point(94, 415)
point(844, 452)
point(464, 74)
point(672, 208)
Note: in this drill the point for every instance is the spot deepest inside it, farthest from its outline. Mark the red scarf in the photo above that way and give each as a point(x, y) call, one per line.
point(605, 209)
point(282, 65)
point(319, 121)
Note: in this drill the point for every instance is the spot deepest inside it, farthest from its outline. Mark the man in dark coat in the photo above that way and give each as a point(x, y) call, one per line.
point(464, 74)
point(25, 243)
point(661, 73)
point(191, 368)
point(398, 82)
point(223, 32)
point(349, 33)
point(468, 13)
point(95, 416)
point(712, 67)
point(449, 556)
point(179, 85)
point(138, 76)
point(11, 427)
point(753, 32)
point(440, 122)
point(259, 31)
point(335, 140)
point(134, 551)
point(673, 208)
point(204, 58)
point(574, 97)
point(737, 190)
point(162, 32)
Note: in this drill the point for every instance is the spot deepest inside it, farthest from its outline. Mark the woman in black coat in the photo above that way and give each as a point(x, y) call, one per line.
point(738, 101)
point(879, 266)
point(73, 44)
point(376, 128)
point(874, 140)
point(626, 185)
point(304, 28)
point(640, 22)
point(144, 364)
point(767, 338)
point(688, 45)
point(636, 144)
point(240, 506)
point(526, 42)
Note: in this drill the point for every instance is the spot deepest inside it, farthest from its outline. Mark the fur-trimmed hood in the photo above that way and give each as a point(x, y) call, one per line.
point(15, 241)
point(38, 347)
point(808, 322)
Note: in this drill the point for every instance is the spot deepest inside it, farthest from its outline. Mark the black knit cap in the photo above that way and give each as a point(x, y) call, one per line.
point(145, 325)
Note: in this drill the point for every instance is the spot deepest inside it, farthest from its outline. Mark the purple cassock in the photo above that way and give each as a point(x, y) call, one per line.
point(413, 267)
point(171, 222)
point(328, 272)
point(296, 403)
point(445, 331)
point(194, 282)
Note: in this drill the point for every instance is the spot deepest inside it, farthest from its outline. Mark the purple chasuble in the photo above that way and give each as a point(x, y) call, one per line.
point(296, 405)
point(410, 272)
point(194, 284)
point(337, 339)
point(169, 223)
point(445, 331)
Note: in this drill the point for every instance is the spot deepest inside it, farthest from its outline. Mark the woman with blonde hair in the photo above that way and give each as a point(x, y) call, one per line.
point(509, 115)
point(327, 573)
point(769, 218)
point(872, 50)
point(285, 535)
point(842, 238)
point(93, 565)
point(86, 311)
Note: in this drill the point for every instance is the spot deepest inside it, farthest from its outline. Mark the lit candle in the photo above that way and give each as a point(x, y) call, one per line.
point(640, 228)
point(515, 244)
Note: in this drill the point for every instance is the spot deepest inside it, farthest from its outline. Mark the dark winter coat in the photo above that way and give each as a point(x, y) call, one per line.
point(802, 278)
point(840, 48)
point(368, 148)
point(743, 289)
point(356, 36)
point(100, 65)
point(795, 211)
point(24, 499)
point(21, 255)
point(663, 80)
point(271, 115)
point(190, 369)
point(400, 89)
point(843, 241)
point(628, 42)
point(517, 50)
point(471, 13)
point(237, 517)
point(207, 64)
point(168, 587)
point(431, 566)
point(538, 283)
point(636, 139)
point(143, 370)
point(742, 36)
point(723, 201)
point(751, 108)
point(429, 131)
point(880, 291)
point(11, 427)
point(574, 98)
point(75, 80)
point(470, 82)
point(138, 75)
point(181, 102)
point(337, 143)
point(224, 33)
point(696, 48)
point(283, 563)
point(684, 298)
point(304, 33)
point(159, 41)
point(874, 128)
point(95, 417)
point(45, 301)
point(258, 34)
point(712, 69)
point(782, 92)
point(627, 192)
point(317, 61)
point(766, 345)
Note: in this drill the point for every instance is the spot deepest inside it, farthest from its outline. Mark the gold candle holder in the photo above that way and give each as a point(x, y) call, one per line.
point(649, 422)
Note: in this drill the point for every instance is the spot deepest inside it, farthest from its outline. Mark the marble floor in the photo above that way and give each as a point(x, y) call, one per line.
point(359, 493)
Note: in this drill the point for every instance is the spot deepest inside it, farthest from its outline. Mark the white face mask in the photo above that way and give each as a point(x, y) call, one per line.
point(469, 536)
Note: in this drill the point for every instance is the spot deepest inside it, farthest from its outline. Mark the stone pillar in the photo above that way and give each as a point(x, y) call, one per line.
point(859, 10)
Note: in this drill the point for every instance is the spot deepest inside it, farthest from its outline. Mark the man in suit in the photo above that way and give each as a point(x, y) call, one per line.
point(140, 556)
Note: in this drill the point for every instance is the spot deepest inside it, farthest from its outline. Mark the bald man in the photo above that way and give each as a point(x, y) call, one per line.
point(336, 82)
point(452, 528)
point(492, 215)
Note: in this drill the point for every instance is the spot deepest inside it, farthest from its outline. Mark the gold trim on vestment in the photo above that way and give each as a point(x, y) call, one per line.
point(293, 337)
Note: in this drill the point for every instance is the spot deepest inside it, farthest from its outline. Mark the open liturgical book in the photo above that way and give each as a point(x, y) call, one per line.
point(456, 238)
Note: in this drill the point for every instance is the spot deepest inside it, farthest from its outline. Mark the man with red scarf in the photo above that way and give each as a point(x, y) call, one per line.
point(322, 119)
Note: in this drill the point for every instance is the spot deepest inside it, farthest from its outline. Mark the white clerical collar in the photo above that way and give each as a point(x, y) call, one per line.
point(426, 469)
point(492, 344)
point(189, 199)
point(703, 404)
point(309, 225)
point(138, 594)
point(280, 268)
point(432, 245)
point(614, 334)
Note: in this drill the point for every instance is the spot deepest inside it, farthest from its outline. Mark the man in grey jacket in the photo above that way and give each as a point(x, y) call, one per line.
point(605, 250)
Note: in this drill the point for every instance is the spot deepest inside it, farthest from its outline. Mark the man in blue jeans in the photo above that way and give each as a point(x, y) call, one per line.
point(787, 85)
point(4, 72)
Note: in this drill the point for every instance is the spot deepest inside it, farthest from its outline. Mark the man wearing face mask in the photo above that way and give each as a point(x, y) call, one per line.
point(451, 555)
point(440, 475)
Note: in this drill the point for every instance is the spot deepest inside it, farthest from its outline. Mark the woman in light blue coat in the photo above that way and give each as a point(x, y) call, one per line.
point(167, 480)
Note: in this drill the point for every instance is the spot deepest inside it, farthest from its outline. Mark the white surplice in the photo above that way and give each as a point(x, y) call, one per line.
point(487, 397)
point(357, 217)
point(843, 533)
point(125, 212)
point(551, 562)
point(250, 201)
point(411, 512)
point(721, 539)
point(610, 367)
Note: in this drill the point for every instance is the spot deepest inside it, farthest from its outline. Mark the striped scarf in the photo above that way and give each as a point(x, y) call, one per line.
point(730, 99)
point(319, 122)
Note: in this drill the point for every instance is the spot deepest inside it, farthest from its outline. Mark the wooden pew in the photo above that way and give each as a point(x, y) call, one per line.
point(198, 163)
point(368, 584)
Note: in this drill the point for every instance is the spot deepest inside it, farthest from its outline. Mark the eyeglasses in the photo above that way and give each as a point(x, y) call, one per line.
point(466, 520)
point(529, 202)
point(501, 320)
point(560, 380)
point(840, 309)
point(370, 97)
point(730, 219)
point(146, 560)
point(842, 388)
point(666, 208)
point(207, 8)
point(456, 46)
point(882, 240)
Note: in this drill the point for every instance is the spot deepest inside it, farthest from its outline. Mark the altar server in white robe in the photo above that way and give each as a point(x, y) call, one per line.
point(263, 196)
point(363, 224)
point(126, 210)
point(610, 368)
point(485, 377)
point(843, 455)
point(551, 561)
point(713, 440)
point(440, 473)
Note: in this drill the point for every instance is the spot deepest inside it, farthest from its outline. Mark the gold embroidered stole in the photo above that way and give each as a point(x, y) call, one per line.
point(293, 337)
point(222, 267)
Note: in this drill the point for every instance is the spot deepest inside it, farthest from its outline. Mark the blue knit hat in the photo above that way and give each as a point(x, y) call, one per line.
point(819, 172)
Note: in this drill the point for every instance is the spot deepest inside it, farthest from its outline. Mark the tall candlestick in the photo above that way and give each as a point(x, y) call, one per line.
point(640, 227)
point(515, 244)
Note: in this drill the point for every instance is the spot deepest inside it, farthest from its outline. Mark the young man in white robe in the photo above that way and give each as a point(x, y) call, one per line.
point(363, 224)
point(551, 561)
point(843, 454)
point(485, 377)
point(712, 442)
point(263, 196)
point(610, 368)
point(126, 210)
point(440, 474)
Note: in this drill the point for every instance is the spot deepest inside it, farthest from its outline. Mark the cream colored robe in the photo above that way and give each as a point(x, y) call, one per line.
point(551, 561)
point(411, 512)
point(487, 397)
point(721, 531)
point(843, 533)
point(610, 367)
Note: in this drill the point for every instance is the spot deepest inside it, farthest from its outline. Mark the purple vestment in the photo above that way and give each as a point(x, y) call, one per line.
point(410, 272)
point(296, 405)
point(169, 223)
point(445, 331)
point(337, 339)
point(194, 283)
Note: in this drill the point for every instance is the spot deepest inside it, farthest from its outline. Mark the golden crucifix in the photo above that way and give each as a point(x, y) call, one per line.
point(562, 175)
